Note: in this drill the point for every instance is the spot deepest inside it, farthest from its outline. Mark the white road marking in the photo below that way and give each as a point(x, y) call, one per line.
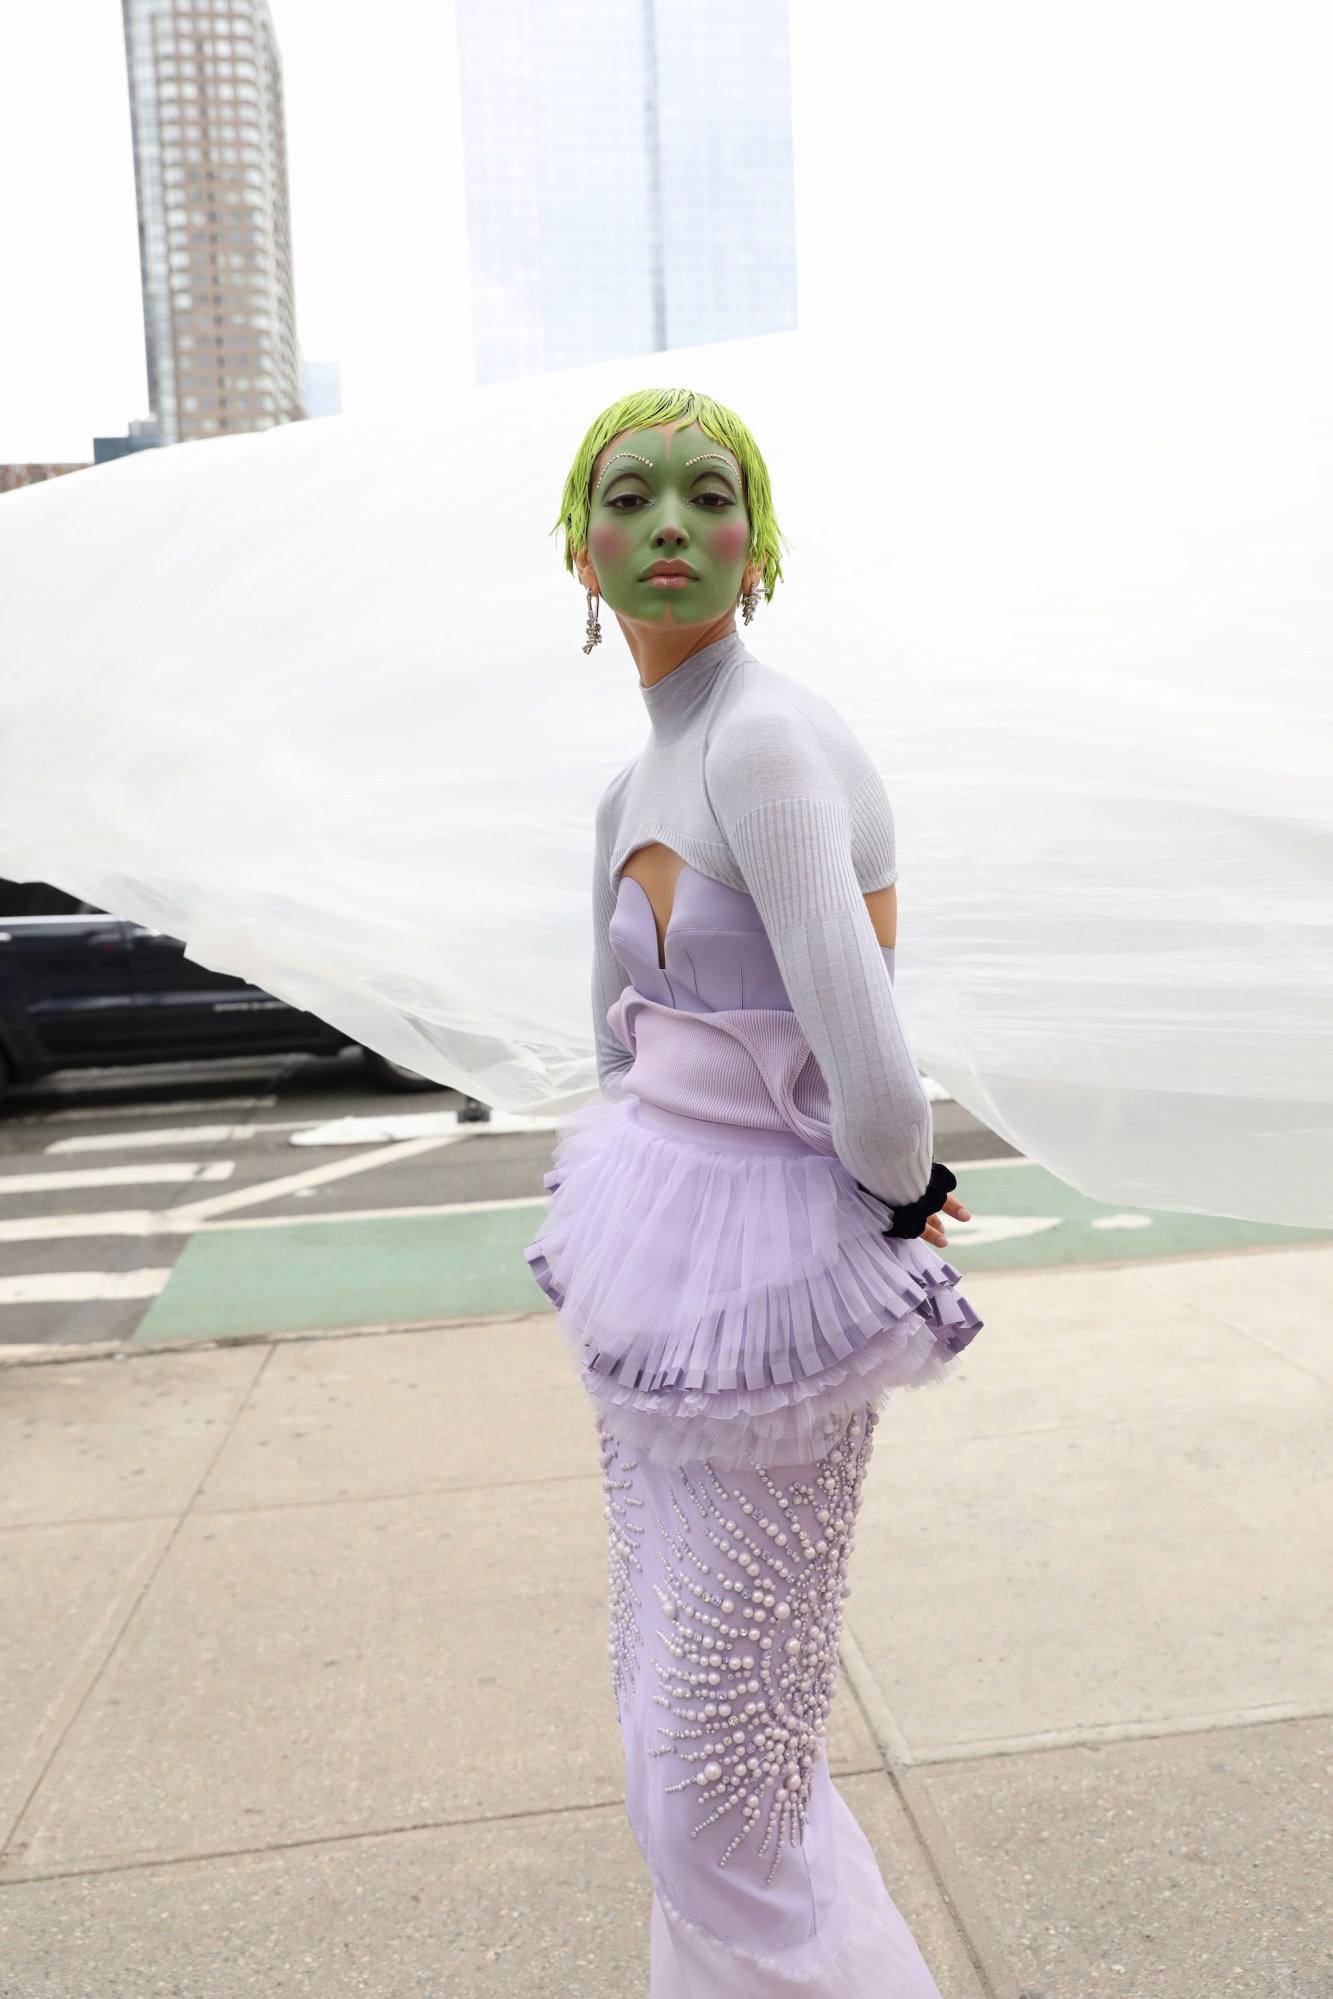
point(64, 1228)
point(173, 1109)
point(160, 1171)
point(314, 1176)
point(1122, 1221)
point(415, 1124)
point(183, 1221)
point(78, 1287)
point(377, 1214)
point(182, 1134)
point(997, 1228)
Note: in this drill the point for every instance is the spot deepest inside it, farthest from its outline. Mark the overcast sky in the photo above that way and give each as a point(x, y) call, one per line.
point(377, 217)
point(1075, 199)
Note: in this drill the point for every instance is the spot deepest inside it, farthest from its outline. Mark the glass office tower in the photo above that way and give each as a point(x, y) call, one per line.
point(629, 177)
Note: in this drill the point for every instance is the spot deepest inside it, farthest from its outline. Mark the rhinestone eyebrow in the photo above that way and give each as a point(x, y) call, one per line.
point(623, 454)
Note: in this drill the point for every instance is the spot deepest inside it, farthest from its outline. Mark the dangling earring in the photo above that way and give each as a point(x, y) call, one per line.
point(751, 601)
point(594, 637)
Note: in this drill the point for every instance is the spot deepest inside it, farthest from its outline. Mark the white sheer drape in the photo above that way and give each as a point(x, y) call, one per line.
point(1059, 509)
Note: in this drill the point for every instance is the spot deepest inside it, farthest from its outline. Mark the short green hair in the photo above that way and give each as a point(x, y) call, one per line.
point(640, 411)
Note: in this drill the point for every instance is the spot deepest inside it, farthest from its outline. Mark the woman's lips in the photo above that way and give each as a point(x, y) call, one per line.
point(670, 582)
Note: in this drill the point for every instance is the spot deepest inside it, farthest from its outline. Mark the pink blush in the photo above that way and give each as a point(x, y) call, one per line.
point(608, 542)
point(730, 541)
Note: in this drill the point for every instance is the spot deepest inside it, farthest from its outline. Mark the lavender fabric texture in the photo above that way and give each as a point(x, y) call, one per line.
point(756, 781)
point(738, 1318)
point(722, 1281)
point(727, 1593)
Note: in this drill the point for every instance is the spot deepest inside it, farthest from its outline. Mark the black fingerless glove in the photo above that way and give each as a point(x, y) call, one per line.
point(911, 1219)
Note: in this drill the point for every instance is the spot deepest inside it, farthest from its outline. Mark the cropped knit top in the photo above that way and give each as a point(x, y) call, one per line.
point(758, 783)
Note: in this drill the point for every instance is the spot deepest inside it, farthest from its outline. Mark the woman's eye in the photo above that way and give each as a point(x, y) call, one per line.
point(715, 502)
point(625, 502)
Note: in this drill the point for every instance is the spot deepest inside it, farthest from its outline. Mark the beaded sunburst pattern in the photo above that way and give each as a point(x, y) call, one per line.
point(624, 1521)
point(748, 1575)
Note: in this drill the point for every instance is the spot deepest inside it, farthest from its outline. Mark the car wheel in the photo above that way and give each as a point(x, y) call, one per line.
point(393, 1076)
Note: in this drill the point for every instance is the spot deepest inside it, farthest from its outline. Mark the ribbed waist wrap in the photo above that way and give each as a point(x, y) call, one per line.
point(746, 1066)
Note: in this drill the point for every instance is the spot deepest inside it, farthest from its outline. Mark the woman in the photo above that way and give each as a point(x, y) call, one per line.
point(735, 1237)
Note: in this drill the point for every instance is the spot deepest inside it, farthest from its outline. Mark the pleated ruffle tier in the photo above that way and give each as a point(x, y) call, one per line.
point(728, 1292)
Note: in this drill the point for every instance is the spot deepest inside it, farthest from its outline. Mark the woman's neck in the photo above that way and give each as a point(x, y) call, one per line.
point(660, 649)
point(677, 701)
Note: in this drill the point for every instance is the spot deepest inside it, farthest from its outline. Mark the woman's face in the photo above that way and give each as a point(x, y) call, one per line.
point(668, 532)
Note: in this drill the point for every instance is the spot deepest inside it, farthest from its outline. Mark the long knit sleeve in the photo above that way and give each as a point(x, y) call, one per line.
point(608, 979)
point(790, 818)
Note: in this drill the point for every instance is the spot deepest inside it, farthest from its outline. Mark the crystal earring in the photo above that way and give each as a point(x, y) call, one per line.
point(751, 601)
point(594, 635)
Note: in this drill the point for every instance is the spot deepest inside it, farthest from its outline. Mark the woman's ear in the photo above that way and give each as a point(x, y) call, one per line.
point(753, 572)
point(585, 572)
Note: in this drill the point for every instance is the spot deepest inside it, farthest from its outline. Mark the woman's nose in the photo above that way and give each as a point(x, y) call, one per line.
point(668, 532)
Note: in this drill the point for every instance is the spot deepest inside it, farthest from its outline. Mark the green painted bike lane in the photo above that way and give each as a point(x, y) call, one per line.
point(374, 1270)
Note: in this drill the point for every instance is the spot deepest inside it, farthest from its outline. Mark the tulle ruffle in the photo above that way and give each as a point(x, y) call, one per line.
point(733, 1302)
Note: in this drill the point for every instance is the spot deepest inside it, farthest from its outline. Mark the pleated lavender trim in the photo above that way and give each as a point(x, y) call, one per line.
point(742, 1428)
point(732, 1302)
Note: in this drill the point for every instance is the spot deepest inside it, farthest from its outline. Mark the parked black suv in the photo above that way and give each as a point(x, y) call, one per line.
point(80, 989)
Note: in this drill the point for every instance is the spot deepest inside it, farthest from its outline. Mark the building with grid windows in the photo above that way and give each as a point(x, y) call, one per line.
point(210, 161)
point(628, 172)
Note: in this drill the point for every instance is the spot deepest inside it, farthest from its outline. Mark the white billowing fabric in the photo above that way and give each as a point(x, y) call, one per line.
point(1051, 451)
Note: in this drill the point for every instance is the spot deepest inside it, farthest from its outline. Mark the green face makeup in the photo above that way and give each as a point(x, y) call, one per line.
point(668, 532)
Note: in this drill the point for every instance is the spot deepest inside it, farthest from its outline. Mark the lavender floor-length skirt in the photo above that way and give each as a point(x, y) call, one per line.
point(739, 1318)
point(727, 1590)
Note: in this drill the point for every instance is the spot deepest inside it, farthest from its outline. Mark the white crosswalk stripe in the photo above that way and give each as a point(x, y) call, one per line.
point(160, 1172)
point(997, 1228)
point(184, 1134)
point(175, 1107)
point(98, 1221)
point(77, 1287)
point(184, 1221)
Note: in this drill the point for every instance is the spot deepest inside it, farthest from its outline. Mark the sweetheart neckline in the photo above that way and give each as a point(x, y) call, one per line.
point(687, 867)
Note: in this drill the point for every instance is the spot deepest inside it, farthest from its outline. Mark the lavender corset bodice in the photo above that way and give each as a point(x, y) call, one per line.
point(712, 1033)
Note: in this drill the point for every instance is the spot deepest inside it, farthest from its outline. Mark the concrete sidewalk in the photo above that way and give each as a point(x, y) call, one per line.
point(307, 1693)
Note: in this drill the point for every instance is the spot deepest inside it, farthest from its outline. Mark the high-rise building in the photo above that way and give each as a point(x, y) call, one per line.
point(628, 171)
point(210, 160)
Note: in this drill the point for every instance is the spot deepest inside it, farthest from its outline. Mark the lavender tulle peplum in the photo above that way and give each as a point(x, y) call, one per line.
point(723, 1283)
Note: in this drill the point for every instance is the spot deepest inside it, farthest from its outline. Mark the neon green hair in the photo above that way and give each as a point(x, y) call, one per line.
point(640, 411)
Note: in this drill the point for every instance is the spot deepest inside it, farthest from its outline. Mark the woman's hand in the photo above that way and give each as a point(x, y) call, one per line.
point(933, 1232)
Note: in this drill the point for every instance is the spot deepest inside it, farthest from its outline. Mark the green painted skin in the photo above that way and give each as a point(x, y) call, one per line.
point(669, 510)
